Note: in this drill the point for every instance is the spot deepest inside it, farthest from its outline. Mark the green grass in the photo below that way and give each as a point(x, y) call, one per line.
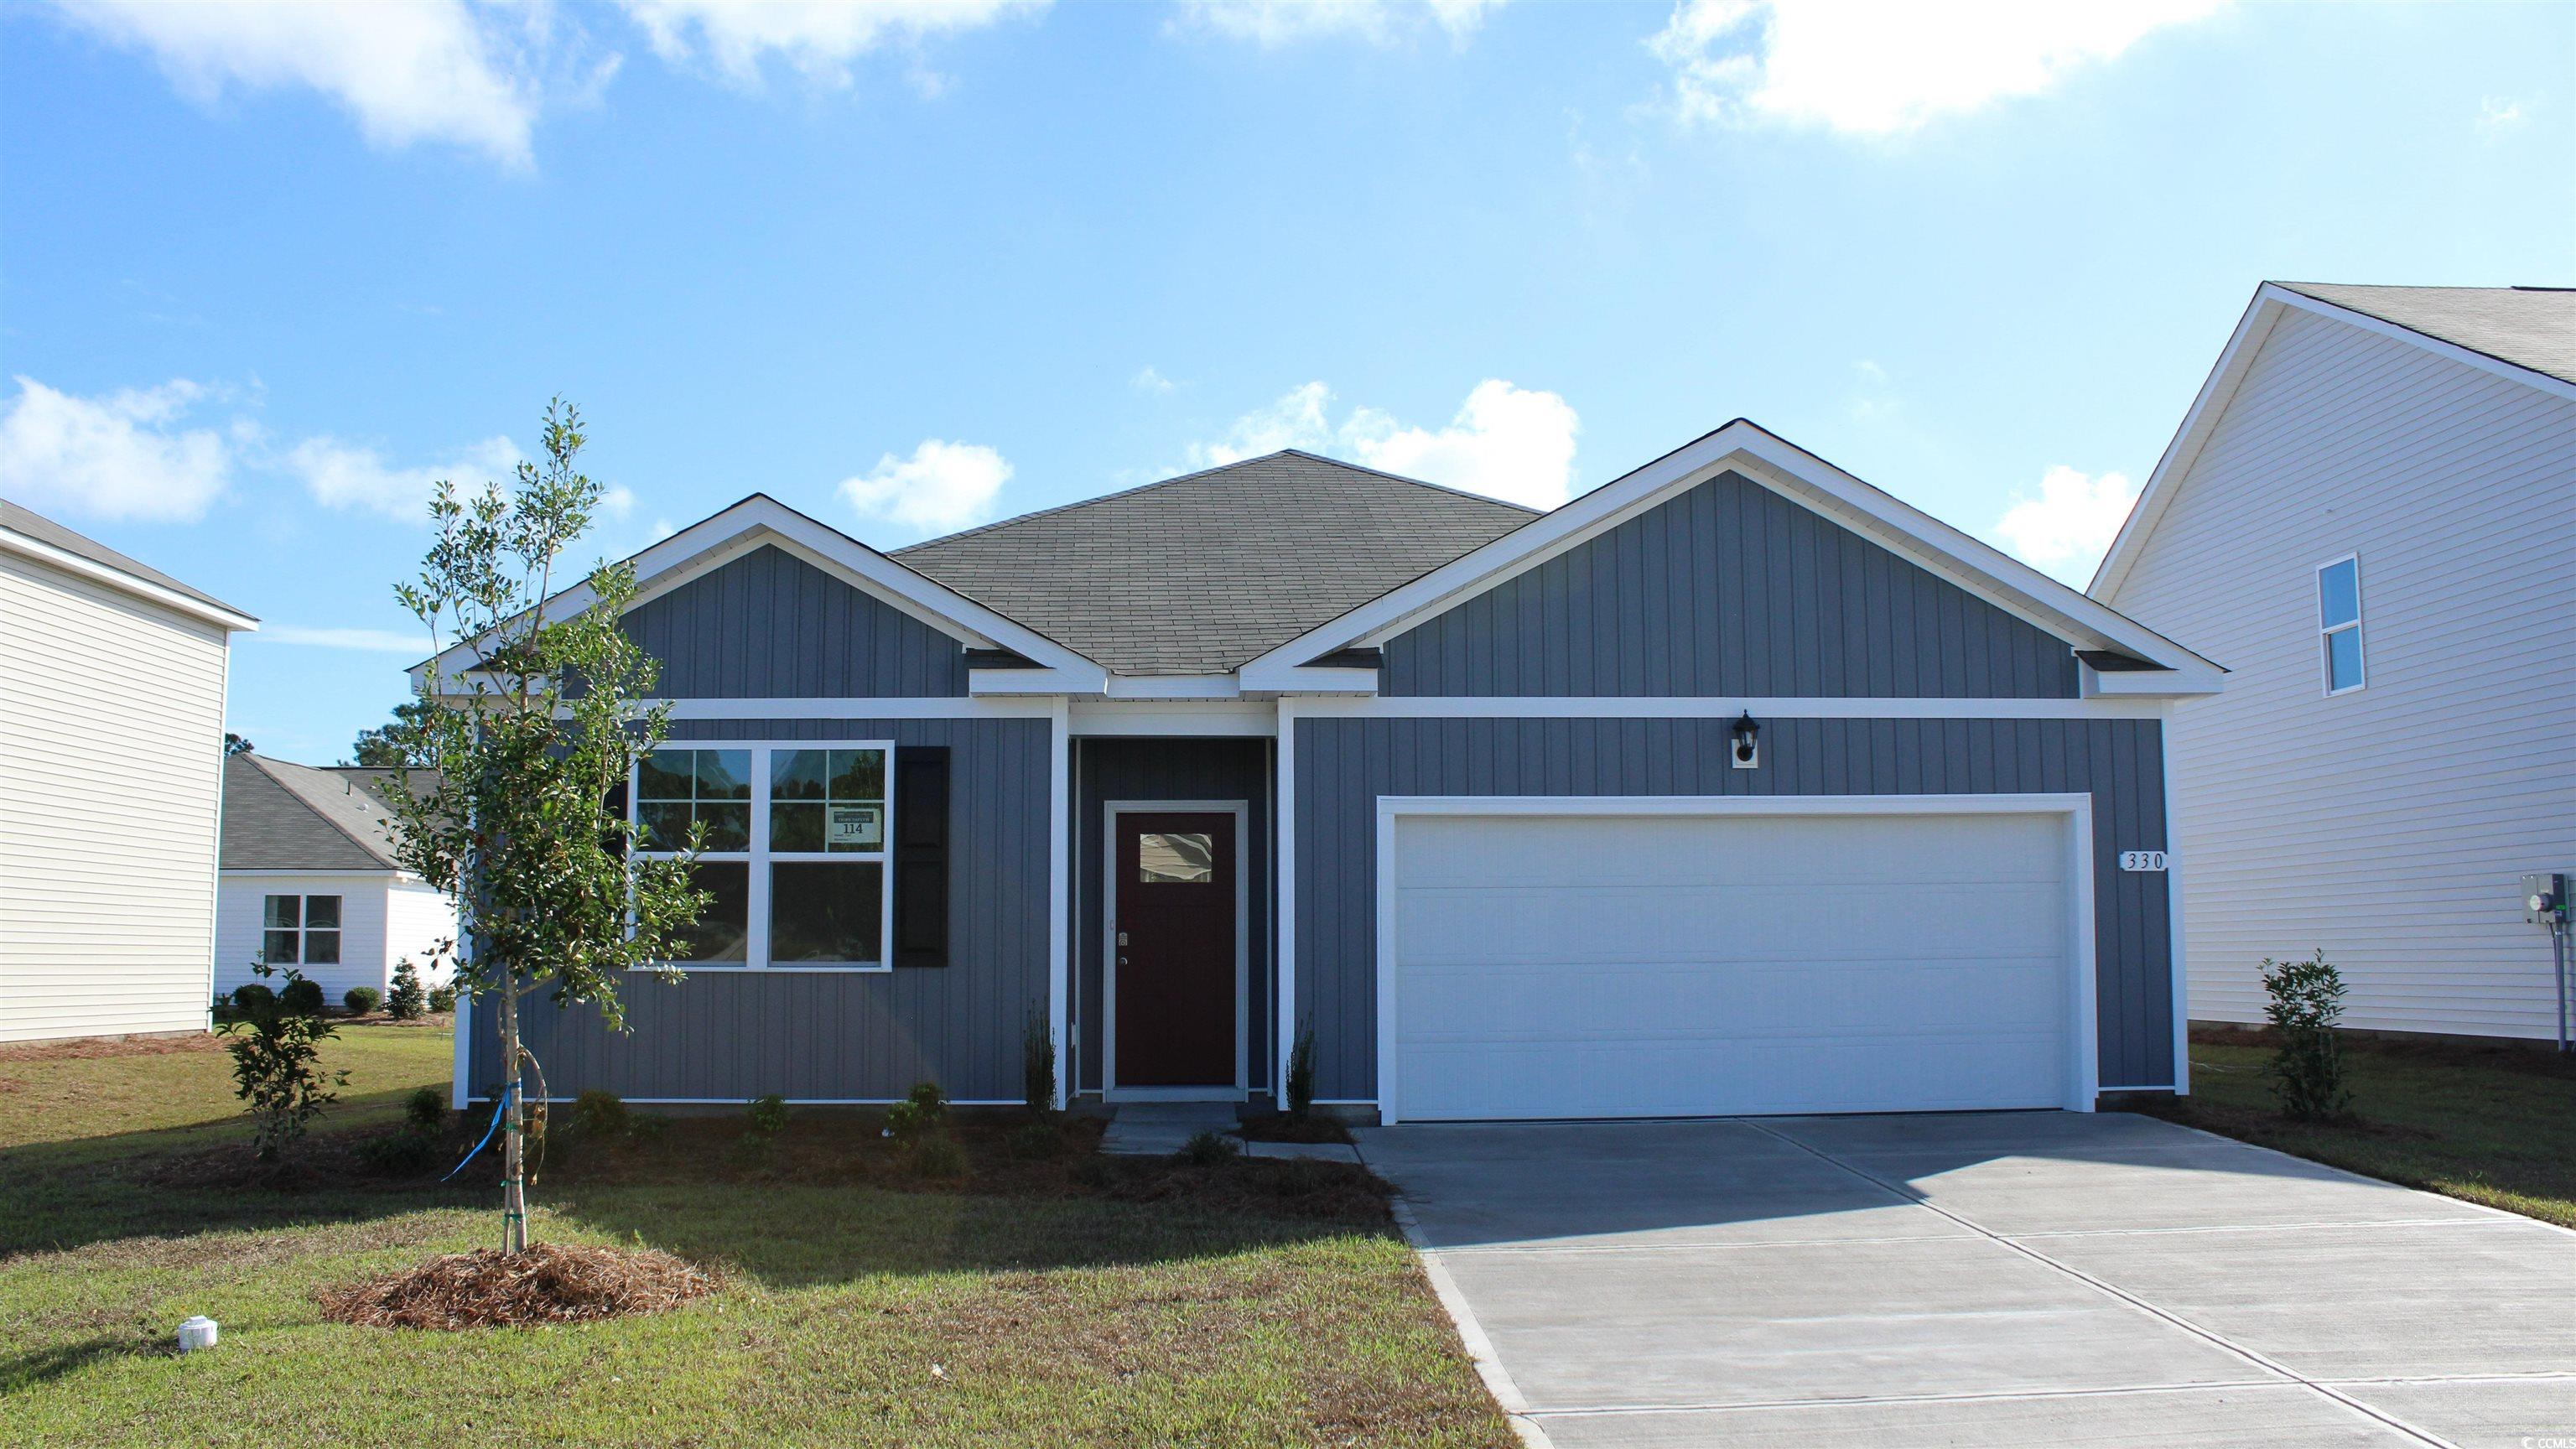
point(850, 1314)
point(2490, 1125)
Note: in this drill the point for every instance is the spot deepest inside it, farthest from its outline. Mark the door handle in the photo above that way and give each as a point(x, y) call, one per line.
point(1122, 960)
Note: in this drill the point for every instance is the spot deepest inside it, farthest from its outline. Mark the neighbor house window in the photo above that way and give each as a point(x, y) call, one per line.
point(300, 931)
point(794, 850)
point(2339, 623)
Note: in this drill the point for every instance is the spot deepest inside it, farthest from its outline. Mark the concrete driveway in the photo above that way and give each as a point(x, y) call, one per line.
point(1983, 1279)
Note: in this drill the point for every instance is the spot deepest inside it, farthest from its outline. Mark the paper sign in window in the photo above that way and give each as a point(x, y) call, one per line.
point(855, 827)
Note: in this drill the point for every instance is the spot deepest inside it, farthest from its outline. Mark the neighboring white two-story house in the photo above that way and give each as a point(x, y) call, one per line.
point(311, 881)
point(2369, 517)
point(111, 767)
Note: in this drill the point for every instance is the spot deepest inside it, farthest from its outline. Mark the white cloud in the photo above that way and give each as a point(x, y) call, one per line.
point(615, 502)
point(409, 70)
point(1878, 67)
point(113, 457)
point(372, 641)
point(940, 488)
point(1295, 421)
point(1505, 442)
point(1150, 380)
point(347, 475)
point(1284, 22)
point(2070, 525)
point(818, 38)
point(2499, 113)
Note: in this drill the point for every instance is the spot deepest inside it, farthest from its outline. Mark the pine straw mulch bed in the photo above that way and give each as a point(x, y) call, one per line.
point(548, 1283)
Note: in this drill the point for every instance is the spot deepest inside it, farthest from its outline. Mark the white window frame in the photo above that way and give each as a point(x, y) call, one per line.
point(759, 858)
point(303, 927)
point(2326, 632)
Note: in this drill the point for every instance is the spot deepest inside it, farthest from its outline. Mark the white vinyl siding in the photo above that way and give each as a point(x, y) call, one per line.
point(111, 770)
point(381, 921)
point(2390, 824)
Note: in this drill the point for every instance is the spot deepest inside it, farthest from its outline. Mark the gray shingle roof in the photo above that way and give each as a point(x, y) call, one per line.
point(45, 530)
point(282, 816)
point(1197, 574)
point(2533, 327)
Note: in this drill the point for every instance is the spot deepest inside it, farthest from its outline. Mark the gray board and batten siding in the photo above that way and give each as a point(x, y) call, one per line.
point(1728, 590)
point(769, 625)
point(1344, 765)
point(1107, 769)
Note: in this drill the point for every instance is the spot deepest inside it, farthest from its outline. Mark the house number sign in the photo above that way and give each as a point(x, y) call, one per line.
point(2142, 860)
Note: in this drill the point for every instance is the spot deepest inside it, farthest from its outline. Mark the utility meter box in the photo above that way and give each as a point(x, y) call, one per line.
point(2544, 898)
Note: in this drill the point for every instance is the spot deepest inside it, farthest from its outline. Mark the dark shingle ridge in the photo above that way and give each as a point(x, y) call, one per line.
point(1198, 573)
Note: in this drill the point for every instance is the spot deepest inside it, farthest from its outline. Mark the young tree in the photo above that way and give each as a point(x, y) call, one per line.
point(502, 792)
point(385, 744)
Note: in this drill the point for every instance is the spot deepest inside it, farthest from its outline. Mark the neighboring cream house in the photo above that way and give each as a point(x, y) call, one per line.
point(2369, 517)
point(310, 881)
point(111, 765)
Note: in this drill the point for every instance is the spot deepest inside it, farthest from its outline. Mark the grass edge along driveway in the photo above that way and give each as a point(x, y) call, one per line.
point(852, 1313)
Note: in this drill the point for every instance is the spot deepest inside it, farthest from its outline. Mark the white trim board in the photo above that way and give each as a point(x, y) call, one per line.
point(2083, 1076)
point(1651, 707)
point(1794, 473)
point(2271, 302)
point(1110, 1091)
point(760, 520)
point(118, 579)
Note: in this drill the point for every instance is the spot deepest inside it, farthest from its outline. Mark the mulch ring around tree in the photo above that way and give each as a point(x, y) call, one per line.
point(548, 1283)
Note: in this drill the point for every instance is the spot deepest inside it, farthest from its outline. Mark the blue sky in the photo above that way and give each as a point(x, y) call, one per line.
point(265, 269)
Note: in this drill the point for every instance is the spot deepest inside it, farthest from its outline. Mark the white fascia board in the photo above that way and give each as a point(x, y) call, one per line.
point(116, 578)
point(760, 520)
point(1172, 686)
point(1794, 473)
point(2270, 302)
point(2147, 683)
point(1235, 718)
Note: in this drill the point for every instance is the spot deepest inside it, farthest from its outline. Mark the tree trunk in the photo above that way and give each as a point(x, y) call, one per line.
point(514, 1195)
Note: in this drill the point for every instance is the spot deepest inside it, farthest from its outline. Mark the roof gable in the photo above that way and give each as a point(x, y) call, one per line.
point(283, 816)
point(2527, 334)
point(1197, 574)
point(1802, 478)
point(40, 537)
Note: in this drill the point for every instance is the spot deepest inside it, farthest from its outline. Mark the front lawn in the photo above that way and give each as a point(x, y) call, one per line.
point(2494, 1125)
point(856, 1308)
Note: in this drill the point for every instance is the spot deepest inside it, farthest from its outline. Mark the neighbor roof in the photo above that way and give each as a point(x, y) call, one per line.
point(1197, 574)
point(44, 530)
point(2533, 327)
point(284, 816)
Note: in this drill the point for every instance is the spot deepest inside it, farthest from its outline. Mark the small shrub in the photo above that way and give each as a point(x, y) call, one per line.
point(645, 1127)
point(768, 1115)
point(1037, 1141)
point(1094, 1172)
point(1208, 1149)
point(275, 1048)
point(425, 1111)
point(250, 996)
point(1301, 1074)
point(399, 1154)
point(442, 998)
point(361, 1000)
point(408, 1001)
point(920, 1114)
point(602, 1114)
point(223, 1009)
point(302, 997)
point(1037, 1061)
point(938, 1157)
point(2305, 1007)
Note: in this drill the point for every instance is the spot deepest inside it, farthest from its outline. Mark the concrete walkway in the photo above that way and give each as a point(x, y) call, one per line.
point(1984, 1279)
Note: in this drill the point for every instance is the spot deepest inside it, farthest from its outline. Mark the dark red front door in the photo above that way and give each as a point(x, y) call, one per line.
point(1173, 944)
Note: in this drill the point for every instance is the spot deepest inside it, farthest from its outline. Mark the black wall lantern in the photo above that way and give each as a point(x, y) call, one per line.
point(1748, 741)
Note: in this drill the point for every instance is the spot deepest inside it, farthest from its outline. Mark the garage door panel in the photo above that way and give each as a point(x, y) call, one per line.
point(1819, 923)
point(1684, 965)
point(1771, 850)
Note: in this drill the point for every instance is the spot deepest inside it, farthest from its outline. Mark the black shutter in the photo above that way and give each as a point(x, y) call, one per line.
point(921, 855)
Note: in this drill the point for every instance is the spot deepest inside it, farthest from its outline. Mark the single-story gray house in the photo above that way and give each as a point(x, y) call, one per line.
point(1733, 786)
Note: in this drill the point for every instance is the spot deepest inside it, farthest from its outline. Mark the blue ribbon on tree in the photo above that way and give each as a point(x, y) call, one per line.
point(499, 1110)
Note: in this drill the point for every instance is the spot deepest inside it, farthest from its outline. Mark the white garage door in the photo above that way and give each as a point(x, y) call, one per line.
point(1663, 965)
